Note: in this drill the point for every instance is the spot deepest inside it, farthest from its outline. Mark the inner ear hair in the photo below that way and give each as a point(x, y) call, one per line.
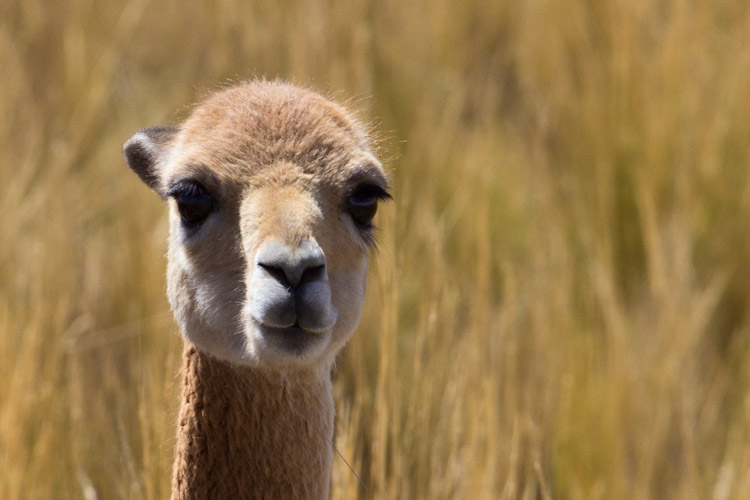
point(146, 149)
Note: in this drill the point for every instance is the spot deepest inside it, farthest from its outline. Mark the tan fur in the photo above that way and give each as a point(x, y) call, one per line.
point(249, 434)
point(280, 164)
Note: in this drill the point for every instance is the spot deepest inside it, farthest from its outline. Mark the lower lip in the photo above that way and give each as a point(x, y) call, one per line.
point(292, 339)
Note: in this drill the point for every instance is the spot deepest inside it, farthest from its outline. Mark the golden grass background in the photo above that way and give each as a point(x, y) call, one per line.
point(560, 305)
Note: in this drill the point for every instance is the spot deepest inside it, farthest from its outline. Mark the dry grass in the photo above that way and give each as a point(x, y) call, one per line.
point(561, 304)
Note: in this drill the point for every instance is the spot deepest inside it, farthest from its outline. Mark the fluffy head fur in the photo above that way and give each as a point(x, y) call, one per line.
point(273, 273)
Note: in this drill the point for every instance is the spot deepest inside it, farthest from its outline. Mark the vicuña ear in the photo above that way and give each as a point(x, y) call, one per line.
point(145, 153)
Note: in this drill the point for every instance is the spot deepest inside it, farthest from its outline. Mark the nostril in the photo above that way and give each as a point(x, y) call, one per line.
point(291, 266)
point(276, 273)
point(313, 273)
point(292, 280)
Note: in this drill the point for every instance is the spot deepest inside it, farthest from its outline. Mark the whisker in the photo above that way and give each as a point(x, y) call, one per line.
point(342, 458)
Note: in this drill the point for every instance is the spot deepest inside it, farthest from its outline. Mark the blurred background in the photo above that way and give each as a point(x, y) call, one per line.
point(560, 306)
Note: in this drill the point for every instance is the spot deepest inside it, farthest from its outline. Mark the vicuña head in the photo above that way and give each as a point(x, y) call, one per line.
point(272, 191)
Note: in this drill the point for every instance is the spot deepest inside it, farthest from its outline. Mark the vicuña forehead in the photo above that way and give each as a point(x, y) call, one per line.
point(239, 133)
point(272, 118)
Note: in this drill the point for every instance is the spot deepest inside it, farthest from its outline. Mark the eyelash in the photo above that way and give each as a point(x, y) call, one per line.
point(193, 201)
point(362, 203)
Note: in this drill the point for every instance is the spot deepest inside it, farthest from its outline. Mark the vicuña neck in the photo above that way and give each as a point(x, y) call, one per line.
point(245, 433)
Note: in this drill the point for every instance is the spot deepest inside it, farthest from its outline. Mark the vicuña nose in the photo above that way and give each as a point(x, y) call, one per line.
point(292, 266)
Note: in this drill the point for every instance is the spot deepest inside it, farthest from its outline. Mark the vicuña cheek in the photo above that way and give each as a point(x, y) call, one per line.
point(348, 296)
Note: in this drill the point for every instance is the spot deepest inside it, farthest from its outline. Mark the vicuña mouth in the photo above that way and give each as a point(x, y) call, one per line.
point(293, 339)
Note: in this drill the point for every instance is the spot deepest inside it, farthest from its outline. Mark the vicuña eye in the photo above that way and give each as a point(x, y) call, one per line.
point(363, 203)
point(193, 202)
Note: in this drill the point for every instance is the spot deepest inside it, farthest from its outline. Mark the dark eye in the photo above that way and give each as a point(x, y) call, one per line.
point(193, 202)
point(363, 203)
